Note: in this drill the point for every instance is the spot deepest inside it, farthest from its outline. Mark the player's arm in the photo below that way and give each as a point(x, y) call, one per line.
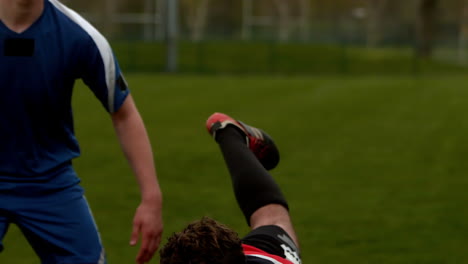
point(101, 73)
point(136, 146)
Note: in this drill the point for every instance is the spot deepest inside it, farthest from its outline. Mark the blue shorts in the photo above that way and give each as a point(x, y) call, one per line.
point(58, 224)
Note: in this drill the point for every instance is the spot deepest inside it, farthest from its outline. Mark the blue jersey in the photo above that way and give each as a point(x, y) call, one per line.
point(38, 69)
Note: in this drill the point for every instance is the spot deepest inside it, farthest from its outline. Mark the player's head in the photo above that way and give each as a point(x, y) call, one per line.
point(203, 242)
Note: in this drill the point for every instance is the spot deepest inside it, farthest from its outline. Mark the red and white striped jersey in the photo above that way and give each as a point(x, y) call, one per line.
point(255, 255)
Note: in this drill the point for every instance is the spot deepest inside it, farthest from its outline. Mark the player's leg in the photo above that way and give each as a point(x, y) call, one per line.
point(60, 228)
point(258, 195)
point(273, 214)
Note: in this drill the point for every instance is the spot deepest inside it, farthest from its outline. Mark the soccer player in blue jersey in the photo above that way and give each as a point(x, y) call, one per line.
point(44, 48)
point(249, 153)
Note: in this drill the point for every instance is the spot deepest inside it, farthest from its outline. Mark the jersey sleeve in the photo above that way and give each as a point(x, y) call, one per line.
point(101, 73)
point(97, 65)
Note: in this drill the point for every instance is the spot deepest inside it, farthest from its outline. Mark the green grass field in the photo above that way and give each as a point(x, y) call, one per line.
point(374, 168)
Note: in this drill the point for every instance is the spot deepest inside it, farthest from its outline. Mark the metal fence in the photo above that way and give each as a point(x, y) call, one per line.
point(148, 36)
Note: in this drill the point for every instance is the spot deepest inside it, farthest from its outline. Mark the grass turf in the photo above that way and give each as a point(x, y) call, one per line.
point(374, 168)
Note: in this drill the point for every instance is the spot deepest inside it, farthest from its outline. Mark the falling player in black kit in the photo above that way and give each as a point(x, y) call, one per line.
point(249, 154)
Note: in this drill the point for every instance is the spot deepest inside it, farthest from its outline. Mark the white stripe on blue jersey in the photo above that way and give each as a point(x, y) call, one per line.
point(102, 44)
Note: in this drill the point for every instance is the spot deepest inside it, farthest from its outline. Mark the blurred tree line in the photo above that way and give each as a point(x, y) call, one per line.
point(369, 22)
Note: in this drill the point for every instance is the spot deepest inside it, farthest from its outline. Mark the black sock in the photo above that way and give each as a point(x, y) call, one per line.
point(253, 185)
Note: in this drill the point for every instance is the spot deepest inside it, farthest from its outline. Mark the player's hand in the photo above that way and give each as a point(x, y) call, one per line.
point(147, 225)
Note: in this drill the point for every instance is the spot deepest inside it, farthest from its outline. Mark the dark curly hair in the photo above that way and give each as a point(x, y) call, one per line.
point(203, 242)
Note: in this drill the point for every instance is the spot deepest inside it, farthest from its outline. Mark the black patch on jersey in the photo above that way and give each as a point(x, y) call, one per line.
point(122, 83)
point(19, 47)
